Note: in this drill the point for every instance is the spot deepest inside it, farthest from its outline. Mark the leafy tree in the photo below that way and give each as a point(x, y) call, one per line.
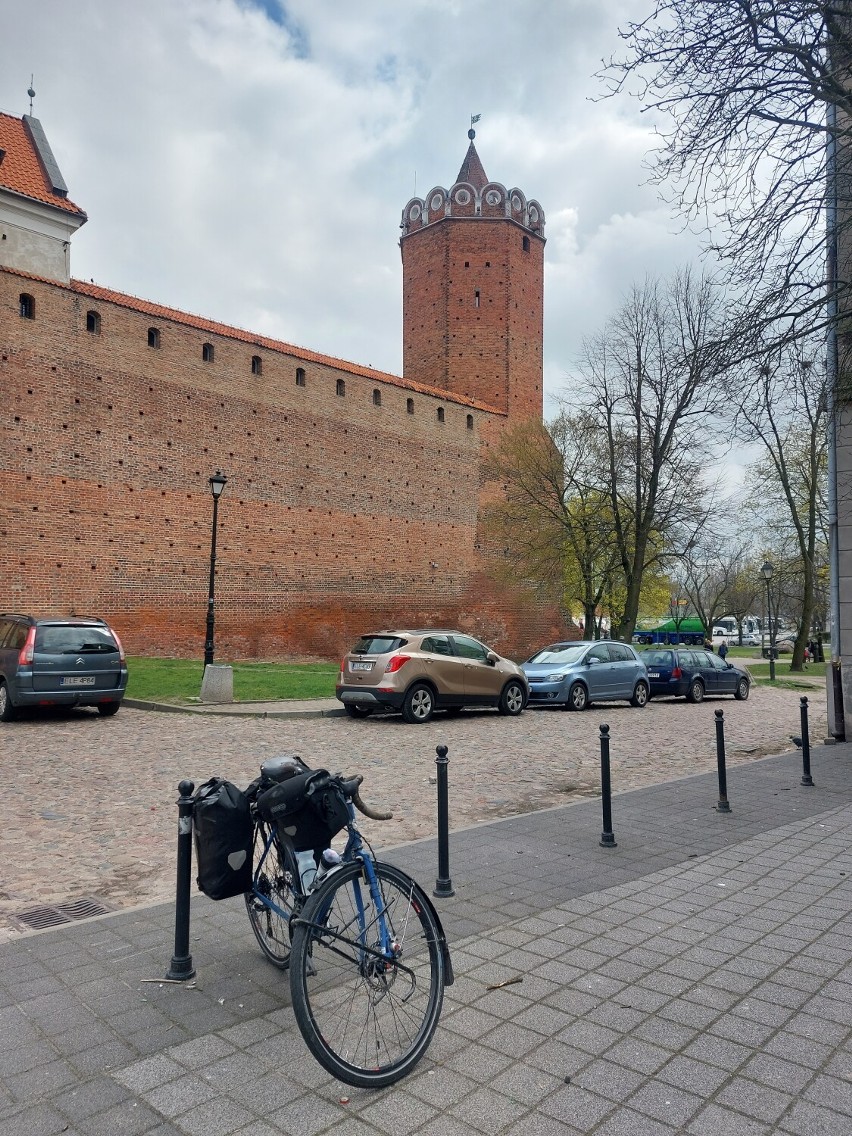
point(554, 512)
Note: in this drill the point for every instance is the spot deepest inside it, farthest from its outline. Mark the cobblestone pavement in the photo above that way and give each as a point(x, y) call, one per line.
point(88, 808)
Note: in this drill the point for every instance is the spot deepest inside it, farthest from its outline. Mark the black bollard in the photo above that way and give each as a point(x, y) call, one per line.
point(807, 780)
point(443, 884)
point(182, 968)
point(607, 839)
point(723, 806)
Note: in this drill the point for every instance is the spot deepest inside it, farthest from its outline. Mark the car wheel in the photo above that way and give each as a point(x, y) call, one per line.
point(696, 691)
point(107, 709)
point(578, 698)
point(741, 693)
point(512, 699)
point(356, 711)
point(7, 710)
point(640, 695)
point(418, 706)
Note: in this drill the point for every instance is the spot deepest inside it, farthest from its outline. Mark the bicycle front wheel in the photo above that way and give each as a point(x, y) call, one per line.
point(271, 900)
point(367, 976)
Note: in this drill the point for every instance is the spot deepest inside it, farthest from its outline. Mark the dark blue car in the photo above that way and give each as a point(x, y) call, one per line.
point(692, 673)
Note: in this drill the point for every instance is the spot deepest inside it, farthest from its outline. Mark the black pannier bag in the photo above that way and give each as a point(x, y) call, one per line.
point(306, 809)
point(223, 839)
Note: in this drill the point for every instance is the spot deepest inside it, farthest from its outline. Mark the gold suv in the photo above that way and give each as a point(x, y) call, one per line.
point(419, 672)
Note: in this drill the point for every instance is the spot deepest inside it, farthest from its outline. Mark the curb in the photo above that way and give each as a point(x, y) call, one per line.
point(232, 711)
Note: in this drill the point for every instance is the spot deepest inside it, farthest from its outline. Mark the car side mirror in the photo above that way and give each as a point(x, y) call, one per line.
point(491, 659)
point(591, 659)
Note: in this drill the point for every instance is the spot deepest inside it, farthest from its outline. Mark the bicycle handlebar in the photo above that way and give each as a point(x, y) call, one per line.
point(351, 789)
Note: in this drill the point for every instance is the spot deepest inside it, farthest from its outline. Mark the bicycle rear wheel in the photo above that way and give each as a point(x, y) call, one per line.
point(367, 1016)
point(273, 882)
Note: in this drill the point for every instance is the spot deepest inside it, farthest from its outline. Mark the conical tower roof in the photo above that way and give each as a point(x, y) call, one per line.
point(471, 170)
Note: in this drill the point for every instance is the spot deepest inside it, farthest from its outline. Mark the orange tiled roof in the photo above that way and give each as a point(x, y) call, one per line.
point(20, 169)
point(159, 311)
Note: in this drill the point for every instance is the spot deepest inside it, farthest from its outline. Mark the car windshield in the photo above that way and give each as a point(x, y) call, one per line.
point(559, 653)
point(74, 640)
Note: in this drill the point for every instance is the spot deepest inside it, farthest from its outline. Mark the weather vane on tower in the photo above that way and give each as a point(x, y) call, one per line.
point(31, 93)
point(472, 133)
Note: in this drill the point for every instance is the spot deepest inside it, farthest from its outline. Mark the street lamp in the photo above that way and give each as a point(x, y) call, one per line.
point(217, 484)
point(767, 571)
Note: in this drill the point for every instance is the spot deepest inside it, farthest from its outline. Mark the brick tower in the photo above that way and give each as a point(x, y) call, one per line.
point(473, 291)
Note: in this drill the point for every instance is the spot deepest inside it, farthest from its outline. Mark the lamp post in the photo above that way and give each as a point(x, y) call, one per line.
point(767, 571)
point(217, 484)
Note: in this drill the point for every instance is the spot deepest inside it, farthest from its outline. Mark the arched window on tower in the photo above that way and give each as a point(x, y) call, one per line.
point(377, 397)
point(153, 337)
point(470, 421)
point(341, 388)
point(300, 376)
point(256, 365)
point(526, 244)
point(93, 323)
point(440, 414)
point(27, 306)
point(207, 352)
point(409, 405)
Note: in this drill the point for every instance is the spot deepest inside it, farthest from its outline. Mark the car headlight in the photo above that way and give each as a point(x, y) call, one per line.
point(554, 678)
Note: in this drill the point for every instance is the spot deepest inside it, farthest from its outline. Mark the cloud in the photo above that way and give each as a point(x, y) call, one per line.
point(249, 159)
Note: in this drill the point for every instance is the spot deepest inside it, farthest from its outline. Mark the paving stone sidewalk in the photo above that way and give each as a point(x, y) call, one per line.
point(694, 979)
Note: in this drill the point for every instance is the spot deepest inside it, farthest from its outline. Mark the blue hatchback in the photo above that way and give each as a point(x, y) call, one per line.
point(575, 674)
point(692, 673)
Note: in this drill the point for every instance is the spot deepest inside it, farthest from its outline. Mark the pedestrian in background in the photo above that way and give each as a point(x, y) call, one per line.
point(723, 650)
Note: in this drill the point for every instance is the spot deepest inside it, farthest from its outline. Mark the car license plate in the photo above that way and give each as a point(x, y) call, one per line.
point(361, 666)
point(653, 674)
point(78, 680)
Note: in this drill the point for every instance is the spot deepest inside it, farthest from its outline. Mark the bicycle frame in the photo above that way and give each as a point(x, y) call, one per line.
point(354, 850)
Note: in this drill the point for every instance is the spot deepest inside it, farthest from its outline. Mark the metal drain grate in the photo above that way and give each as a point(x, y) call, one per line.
point(40, 918)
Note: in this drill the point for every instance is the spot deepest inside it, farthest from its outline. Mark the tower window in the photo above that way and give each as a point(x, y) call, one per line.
point(377, 397)
point(207, 352)
point(440, 414)
point(27, 306)
point(341, 388)
point(526, 244)
point(300, 376)
point(256, 365)
point(153, 337)
point(470, 421)
point(467, 264)
point(476, 298)
point(93, 323)
point(409, 405)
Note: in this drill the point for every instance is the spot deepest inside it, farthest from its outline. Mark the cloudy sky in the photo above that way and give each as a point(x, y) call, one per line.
point(249, 160)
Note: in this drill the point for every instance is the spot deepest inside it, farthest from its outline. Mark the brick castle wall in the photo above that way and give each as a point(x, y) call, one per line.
point(342, 513)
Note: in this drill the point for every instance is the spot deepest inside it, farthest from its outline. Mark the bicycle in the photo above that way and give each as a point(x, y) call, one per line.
point(366, 952)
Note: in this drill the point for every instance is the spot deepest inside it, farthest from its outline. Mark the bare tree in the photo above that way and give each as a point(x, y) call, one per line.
point(783, 406)
point(746, 94)
point(707, 576)
point(652, 381)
